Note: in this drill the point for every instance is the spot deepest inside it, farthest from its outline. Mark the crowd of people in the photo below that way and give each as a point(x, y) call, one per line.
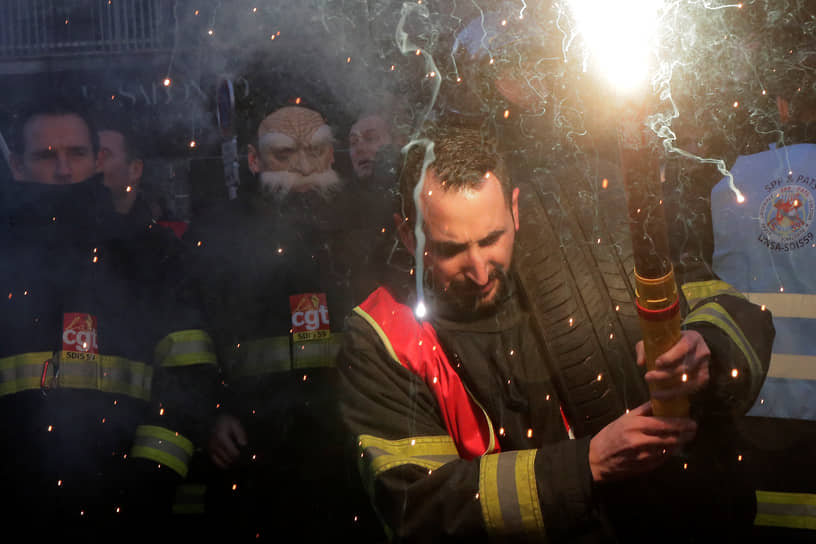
point(374, 356)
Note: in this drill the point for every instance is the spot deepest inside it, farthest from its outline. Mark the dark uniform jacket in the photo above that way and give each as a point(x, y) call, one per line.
point(275, 281)
point(105, 378)
point(536, 484)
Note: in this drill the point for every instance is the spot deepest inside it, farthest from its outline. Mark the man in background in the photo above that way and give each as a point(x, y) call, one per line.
point(275, 282)
point(107, 374)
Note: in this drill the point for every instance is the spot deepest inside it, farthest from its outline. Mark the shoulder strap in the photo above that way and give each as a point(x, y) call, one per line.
point(415, 346)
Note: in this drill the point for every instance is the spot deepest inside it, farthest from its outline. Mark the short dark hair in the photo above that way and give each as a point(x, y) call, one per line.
point(462, 157)
point(124, 125)
point(48, 107)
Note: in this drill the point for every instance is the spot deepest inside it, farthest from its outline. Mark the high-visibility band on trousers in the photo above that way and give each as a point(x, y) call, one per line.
point(104, 373)
point(181, 348)
point(790, 510)
point(277, 354)
point(164, 447)
point(508, 494)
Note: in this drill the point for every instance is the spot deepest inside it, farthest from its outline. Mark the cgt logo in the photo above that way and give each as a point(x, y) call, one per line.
point(311, 319)
point(79, 333)
point(310, 315)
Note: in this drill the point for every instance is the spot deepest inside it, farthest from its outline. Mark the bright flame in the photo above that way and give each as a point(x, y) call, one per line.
point(420, 310)
point(620, 36)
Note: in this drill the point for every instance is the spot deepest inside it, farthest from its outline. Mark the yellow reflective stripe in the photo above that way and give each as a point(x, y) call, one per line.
point(273, 354)
point(429, 452)
point(163, 446)
point(111, 375)
point(106, 373)
point(489, 493)
point(317, 353)
point(790, 510)
point(714, 314)
point(182, 348)
point(491, 445)
point(508, 494)
point(263, 356)
point(796, 367)
point(786, 305)
point(697, 291)
point(22, 372)
point(381, 333)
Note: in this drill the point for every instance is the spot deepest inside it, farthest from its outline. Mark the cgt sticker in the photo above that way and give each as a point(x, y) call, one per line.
point(310, 316)
point(79, 339)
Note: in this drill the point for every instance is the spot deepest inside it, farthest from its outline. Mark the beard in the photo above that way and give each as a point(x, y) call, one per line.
point(465, 299)
point(279, 184)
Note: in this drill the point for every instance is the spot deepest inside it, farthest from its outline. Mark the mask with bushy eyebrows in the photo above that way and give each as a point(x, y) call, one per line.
point(295, 139)
point(295, 152)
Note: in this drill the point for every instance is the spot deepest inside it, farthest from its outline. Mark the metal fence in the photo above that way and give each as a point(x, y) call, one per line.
point(35, 28)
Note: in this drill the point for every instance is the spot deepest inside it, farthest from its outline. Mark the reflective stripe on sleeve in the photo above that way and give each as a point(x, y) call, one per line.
point(790, 510)
point(430, 452)
point(697, 291)
point(182, 348)
point(508, 493)
point(163, 446)
point(714, 314)
point(105, 373)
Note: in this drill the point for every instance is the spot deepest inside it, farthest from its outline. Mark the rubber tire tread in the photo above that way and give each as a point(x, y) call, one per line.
point(561, 281)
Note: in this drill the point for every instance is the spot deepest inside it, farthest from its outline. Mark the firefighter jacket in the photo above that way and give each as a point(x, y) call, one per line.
point(104, 374)
point(464, 431)
point(275, 287)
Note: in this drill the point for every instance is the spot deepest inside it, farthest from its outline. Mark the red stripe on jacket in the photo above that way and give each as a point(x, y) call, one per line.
point(417, 348)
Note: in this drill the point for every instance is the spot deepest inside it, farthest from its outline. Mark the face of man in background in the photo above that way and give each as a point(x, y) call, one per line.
point(295, 153)
point(470, 235)
point(57, 150)
point(366, 136)
point(122, 174)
